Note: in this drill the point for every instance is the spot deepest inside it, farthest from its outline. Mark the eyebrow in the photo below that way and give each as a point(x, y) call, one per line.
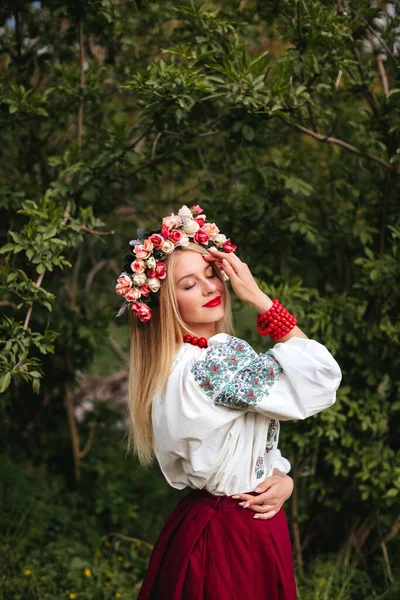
point(193, 274)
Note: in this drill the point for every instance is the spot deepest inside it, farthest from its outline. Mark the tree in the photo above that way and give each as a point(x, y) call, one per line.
point(282, 121)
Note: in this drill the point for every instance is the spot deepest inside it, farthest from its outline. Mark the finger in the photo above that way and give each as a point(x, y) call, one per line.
point(230, 256)
point(263, 508)
point(267, 483)
point(268, 515)
point(228, 269)
point(254, 500)
point(242, 496)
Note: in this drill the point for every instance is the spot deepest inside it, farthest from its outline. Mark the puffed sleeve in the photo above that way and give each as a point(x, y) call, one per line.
point(293, 380)
point(281, 463)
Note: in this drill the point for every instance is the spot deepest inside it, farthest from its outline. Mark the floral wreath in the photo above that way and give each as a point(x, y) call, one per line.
point(141, 278)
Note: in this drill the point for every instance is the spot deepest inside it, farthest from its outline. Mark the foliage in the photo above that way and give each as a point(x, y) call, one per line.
point(280, 119)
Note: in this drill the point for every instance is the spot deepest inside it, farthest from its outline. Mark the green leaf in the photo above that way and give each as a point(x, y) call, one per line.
point(248, 133)
point(7, 248)
point(5, 381)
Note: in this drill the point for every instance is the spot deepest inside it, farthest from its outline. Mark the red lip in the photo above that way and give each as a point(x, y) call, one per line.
point(214, 302)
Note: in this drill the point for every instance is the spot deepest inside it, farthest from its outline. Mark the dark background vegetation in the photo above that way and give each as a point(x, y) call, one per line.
point(281, 119)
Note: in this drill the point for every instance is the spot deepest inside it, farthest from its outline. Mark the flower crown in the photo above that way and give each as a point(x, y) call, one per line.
point(141, 278)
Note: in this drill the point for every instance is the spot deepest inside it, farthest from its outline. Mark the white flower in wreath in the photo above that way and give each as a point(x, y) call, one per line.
point(220, 240)
point(185, 212)
point(191, 227)
point(167, 247)
point(140, 279)
point(184, 241)
point(153, 284)
point(151, 262)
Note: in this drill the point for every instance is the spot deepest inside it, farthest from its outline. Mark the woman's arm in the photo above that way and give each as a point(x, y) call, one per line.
point(245, 286)
point(275, 490)
point(262, 303)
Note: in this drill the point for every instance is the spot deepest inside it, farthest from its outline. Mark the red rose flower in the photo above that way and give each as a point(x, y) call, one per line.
point(161, 270)
point(196, 209)
point(200, 220)
point(157, 240)
point(164, 232)
point(200, 237)
point(144, 290)
point(228, 247)
point(175, 236)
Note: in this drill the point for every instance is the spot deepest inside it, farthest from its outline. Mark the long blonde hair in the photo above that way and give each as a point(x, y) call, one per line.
point(152, 350)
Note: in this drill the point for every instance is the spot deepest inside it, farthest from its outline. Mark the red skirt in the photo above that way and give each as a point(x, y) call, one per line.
point(212, 549)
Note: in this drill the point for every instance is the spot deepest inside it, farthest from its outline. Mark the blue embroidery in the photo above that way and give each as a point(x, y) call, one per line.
point(234, 375)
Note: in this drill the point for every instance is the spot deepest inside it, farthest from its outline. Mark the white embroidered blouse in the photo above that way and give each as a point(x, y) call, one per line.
point(216, 426)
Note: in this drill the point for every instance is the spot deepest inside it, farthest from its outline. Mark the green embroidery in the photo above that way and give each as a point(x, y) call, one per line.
point(259, 468)
point(272, 434)
point(234, 375)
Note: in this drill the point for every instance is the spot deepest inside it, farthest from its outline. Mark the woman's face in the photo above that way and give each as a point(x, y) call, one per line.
point(196, 285)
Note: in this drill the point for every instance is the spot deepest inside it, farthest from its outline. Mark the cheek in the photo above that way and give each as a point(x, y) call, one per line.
point(185, 302)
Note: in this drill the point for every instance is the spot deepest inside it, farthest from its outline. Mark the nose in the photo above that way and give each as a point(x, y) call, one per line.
point(209, 286)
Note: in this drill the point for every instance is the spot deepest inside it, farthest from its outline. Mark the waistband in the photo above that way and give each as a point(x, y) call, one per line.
point(215, 500)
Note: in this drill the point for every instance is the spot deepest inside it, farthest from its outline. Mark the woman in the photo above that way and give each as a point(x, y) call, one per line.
point(208, 407)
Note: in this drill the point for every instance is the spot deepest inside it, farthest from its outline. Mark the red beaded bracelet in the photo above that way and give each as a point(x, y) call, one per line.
point(276, 321)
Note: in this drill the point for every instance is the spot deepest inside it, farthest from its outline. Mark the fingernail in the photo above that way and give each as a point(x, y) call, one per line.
point(236, 497)
point(256, 517)
point(246, 505)
point(241, 503)
point(258, 489)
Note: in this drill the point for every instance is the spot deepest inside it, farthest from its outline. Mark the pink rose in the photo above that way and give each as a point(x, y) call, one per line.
point(196, 209)
point(157, 240)
point(148, 245)
point(161, 270)
point(200, 220)
point(211, 230)
point(151, 273)
point(228, 247)
point(132, 295)
point(201, 237)
point(175, 236)
point(138, 266)
point(140, 252)
point(172, 221)
point(123, 285)
point(144, 313)
point(144, 290)
point(135, 308)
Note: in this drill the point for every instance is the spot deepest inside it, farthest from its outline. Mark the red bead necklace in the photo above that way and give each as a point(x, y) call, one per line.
point(195, 341)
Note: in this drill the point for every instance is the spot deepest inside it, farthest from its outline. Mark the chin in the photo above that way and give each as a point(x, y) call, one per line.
point(215, 315)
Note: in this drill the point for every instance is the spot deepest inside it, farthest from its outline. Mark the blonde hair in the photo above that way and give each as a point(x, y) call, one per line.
point(152, 350)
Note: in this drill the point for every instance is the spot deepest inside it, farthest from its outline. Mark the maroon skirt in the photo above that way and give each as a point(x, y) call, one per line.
point(210, 548)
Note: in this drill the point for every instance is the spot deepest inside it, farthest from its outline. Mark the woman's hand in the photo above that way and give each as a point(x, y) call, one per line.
point(243, 283)
point(275, 490)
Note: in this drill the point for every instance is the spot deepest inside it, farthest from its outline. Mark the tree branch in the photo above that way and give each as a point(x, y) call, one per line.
point(342, 144)
point(382, 72)
point(38, 283)
point(132, 539)
point(82, 84)
point(89, 441)
point(74, 433)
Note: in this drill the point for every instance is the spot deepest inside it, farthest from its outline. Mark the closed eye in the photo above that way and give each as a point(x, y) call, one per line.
point(190, 286)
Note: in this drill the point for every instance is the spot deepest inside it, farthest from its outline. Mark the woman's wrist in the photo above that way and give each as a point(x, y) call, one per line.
point(261, 303)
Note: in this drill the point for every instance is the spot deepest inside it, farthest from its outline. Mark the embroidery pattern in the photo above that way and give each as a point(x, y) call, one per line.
point(272, 434)
point(235, 372)
point(259, 468)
